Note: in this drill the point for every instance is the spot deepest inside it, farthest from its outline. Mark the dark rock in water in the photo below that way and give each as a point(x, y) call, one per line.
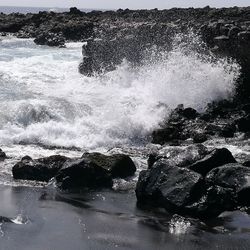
point(246, 108)
point(200, 138)
point(225, 187)
point(26, 158)
point(216, 200)
point(118, 165)
point(212, 129)
point(234, 177)
point(5, 219)
point(167, 134)
point(2, 155)
point(189, 113)
point(228, 131)
point(152, 158)
point(244, 124)
point(168, 186)
point(50, 39)
point(216, 158)
point(179, 156)
point(42, 169)
point(75, 11)
point(246, 164)
point(83, 173)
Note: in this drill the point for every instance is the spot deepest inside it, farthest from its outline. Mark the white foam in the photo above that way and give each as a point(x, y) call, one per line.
point(45, 100)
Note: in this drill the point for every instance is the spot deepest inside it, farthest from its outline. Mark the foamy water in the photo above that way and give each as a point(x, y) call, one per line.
point(44, 100)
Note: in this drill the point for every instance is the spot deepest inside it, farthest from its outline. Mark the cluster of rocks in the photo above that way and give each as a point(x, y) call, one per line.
point(92, 170)
point(194, 181)
point(221, 119)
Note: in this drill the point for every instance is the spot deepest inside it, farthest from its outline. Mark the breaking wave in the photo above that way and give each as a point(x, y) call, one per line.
point(45, 100)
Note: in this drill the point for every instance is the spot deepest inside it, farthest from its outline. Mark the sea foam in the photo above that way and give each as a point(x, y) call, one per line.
point(44, 99)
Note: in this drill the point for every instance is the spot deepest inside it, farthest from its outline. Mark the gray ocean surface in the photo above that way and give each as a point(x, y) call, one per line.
point(25, 10)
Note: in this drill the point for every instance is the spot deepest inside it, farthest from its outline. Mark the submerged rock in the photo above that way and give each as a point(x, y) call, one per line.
point(42, 169)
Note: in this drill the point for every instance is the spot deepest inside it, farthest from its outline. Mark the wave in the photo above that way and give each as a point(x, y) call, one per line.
point(45, 100)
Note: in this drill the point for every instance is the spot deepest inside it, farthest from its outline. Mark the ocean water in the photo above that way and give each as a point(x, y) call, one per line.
point(48, 108)
point(45, 101)
point(25, 10)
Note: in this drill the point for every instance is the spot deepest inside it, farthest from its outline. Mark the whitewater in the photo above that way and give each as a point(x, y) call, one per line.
point(46, 101)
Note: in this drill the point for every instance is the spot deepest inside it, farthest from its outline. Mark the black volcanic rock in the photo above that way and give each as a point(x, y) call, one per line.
point(179, 156)
point(2, 155)
point(42, 169)
point(118, 165)
point(50, 39)
point(244, 124)
point(232, 176)
point(83, 173)
point(228, 130)
point(200, 138)
point(216, 158)
point(169, 186)
point(181, 190)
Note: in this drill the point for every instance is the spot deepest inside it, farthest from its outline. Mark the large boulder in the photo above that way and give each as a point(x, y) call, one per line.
point(216, 200)
point(234, 177)
point(118, 165)
point(169, 186)
point(83, 173)
point(42, 169)
point(216, 158)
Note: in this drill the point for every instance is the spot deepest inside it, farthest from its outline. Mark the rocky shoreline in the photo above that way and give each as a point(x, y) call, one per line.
point(194, 180)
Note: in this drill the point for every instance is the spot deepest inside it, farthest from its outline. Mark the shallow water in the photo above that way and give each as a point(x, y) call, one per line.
point(46, 219)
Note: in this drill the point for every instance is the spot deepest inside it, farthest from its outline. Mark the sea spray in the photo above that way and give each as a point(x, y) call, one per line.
point(44, 100)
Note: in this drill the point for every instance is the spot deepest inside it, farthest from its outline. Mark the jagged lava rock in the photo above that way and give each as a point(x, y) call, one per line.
point(42, 169)
point(216, 158)
point(119, 165)
point(83, 173)
point(180, 156)
point(235, 177)
point(169, 186)
point(50, 39)
point(95, 170)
